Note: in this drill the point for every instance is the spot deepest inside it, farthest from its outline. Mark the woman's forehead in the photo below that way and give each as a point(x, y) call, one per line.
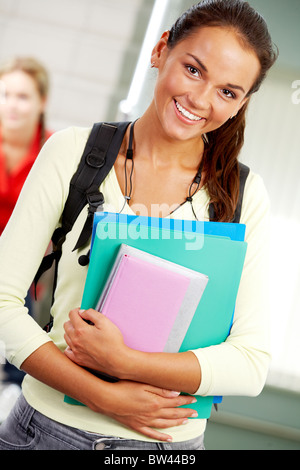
point(221, 51)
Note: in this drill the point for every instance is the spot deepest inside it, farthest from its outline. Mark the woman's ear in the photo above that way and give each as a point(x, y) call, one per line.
point(242, 103)
point(159, 49)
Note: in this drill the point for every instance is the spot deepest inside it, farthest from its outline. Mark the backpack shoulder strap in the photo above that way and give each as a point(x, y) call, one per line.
point(99, 155)
point(98, 158)
point(244, 172)
point(90, 169)
point(95, 165)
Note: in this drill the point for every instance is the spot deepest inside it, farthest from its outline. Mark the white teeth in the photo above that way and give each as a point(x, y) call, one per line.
point(186, 113)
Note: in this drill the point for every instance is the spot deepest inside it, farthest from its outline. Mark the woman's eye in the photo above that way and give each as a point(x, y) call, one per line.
point(193, 71)
point(23, 96)
point(228, 93)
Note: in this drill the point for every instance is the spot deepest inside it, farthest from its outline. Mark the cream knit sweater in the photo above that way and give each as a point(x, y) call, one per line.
point(236, 367)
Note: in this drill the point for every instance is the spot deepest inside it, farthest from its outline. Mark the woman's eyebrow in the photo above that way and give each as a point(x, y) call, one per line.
point(199, 62)
point(236, 87)
point(203, 67)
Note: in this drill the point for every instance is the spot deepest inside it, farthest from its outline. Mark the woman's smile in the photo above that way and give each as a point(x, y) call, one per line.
point(185, 115)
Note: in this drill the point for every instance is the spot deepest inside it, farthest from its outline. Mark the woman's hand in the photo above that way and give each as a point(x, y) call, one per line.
point(143, 408)
point(101, 347)
point(96, 346)
point(138, 406)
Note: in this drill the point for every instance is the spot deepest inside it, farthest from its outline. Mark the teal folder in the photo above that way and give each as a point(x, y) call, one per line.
point(219, 257)
point(229, 230)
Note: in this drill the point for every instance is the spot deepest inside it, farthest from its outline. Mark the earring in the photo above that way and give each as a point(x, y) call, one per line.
point(152, 65)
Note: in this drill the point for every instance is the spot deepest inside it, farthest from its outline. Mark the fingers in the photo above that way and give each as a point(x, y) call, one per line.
point(154, 434)
point(173, 416)
point(73, 327)
point(78, 318)
point(90, 316)
point(166, 393)
point(69, 353)
point(145, 430)
point(182, 400)
point(167, 405)
point(173, 398)
point(153, 428)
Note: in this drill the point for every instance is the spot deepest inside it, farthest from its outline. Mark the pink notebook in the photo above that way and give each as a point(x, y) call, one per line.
point(143, 300)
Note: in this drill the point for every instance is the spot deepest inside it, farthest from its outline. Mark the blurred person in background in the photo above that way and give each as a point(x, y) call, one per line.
point(25, 87)
point(23, 132)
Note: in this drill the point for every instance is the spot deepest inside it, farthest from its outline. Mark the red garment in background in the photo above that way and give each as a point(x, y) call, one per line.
point(12, 183)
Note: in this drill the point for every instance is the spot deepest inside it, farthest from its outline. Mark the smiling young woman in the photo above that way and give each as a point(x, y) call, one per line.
point(203, 81)
point(208, 65)
point(224, 143)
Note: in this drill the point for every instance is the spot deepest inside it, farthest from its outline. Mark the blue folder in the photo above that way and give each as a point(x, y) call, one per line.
point(215, 249)
point(223, 229)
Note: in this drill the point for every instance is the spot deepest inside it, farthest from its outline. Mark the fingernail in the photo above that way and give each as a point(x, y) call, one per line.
point(194, 415)
point(185, 421)
point(169, 439)
point(175, 394)
point(194, 400)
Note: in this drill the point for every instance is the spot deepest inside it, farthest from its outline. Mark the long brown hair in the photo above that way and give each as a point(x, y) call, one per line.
point(38, 73)
point(223, 145)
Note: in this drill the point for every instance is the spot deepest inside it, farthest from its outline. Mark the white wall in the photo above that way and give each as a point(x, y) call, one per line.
point(272, 149)
point(83, 44)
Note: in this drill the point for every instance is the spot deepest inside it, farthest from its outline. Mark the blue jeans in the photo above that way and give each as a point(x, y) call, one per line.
point(27, 429)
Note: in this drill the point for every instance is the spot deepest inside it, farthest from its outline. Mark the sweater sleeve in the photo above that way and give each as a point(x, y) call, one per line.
point(26, 238)
point(239, 366)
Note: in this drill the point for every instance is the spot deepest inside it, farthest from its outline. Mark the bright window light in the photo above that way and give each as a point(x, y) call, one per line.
point(159, 9)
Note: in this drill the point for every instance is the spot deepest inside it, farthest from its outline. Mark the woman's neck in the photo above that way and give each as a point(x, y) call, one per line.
point(18, 138)
point(15, 146)
point(150, 141)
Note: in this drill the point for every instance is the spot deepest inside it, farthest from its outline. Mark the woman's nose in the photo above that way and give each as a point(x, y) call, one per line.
point(201, 97)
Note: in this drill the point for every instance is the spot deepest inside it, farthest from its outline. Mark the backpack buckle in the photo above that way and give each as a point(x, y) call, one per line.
point(95, 199)
point(95, 160)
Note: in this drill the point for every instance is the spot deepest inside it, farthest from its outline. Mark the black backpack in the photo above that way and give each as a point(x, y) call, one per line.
point(98, 158)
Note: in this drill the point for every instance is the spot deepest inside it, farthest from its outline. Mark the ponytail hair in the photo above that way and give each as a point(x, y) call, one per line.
point(223, 145)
